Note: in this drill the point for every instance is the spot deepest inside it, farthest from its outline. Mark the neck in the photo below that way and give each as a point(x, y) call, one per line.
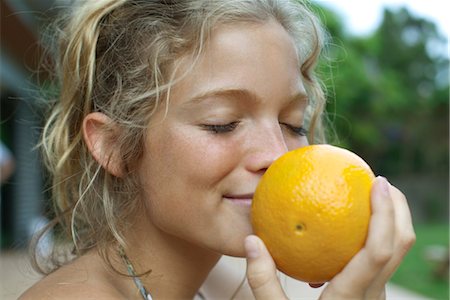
point(178, 268)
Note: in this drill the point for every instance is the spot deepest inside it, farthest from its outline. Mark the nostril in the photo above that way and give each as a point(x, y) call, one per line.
point(260, 164)
point(264, 149)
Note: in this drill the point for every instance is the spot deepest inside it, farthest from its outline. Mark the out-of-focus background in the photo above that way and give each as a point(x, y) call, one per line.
point(388, 90)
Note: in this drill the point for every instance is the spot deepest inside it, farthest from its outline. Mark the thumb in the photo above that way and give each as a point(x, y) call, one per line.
point(261, 271)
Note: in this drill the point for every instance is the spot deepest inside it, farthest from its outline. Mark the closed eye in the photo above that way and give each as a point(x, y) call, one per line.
point(300, 131)
point(220, 128)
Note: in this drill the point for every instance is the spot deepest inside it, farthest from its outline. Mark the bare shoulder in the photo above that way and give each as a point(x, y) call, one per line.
point(49, 289)
point(80, 279)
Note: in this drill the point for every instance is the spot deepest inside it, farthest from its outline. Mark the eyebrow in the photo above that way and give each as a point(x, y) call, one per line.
point(236, 93)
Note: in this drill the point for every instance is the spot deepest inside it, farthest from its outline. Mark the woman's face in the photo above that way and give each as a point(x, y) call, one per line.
point(240, 108)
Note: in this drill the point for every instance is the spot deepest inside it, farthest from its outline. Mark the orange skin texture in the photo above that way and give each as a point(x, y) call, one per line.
point(312, 210)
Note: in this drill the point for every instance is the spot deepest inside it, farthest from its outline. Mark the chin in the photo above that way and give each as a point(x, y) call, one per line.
point(236, 252)
point(235, 246)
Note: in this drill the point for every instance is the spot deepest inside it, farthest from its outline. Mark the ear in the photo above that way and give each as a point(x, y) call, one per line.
point(98, 132)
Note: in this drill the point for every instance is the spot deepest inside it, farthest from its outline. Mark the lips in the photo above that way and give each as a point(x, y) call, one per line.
point(237, 197)
point(240, 199)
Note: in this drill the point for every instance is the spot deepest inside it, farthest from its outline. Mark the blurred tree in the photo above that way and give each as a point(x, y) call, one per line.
point(389, 93)
point(408, 51)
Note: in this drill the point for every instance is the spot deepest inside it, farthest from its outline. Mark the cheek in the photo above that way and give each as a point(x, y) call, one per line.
point(181, 164)
point(296, 143)
point(199, 159)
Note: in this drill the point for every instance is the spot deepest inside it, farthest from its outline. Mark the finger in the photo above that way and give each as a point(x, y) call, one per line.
point(404, 240)
point(406, 236)
point(359, 273)
point(261, 271)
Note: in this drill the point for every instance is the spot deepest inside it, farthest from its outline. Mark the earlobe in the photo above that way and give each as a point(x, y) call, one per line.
point(98, 132)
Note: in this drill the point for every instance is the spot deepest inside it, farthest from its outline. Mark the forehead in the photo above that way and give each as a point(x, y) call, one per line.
point(257, 57)
point(264, 38)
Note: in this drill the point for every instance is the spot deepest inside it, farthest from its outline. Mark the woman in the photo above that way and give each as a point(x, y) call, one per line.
point(169, 113)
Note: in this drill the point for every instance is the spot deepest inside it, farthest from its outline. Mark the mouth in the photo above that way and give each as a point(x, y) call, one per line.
point(240, 199)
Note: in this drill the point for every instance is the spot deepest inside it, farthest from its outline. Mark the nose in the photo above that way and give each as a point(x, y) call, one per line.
point(265, 146)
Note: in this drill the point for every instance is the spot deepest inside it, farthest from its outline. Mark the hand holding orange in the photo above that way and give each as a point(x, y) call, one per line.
point(312, 210)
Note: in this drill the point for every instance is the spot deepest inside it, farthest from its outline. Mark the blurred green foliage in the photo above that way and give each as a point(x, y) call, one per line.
point(388, 101)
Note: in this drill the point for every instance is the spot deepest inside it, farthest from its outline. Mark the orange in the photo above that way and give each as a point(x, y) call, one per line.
point(312, 210)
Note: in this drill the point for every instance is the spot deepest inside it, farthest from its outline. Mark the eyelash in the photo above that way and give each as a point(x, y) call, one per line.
point(217, 129)
point(300, 131)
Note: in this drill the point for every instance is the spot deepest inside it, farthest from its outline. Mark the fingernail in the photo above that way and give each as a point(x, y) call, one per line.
point(251, 245)
point(383, 186)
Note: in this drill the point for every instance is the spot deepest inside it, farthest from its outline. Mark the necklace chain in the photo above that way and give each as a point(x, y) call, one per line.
point(137, 281)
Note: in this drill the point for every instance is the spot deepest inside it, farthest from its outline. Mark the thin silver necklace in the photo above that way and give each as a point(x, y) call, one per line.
point(137, 281)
